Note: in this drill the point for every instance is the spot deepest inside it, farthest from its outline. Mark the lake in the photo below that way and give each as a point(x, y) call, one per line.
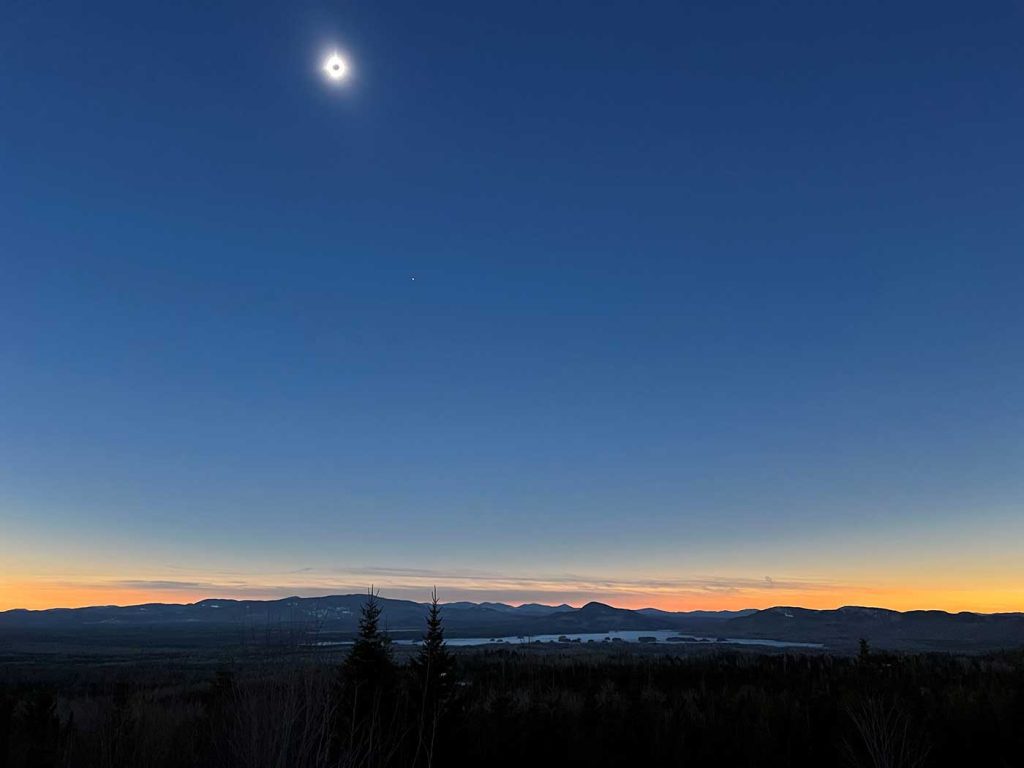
point(661, 636)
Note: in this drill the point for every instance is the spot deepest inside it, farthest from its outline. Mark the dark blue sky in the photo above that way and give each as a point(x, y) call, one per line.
point(703, 292)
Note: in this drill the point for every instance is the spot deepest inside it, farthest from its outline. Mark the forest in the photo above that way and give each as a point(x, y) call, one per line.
point(373, 707)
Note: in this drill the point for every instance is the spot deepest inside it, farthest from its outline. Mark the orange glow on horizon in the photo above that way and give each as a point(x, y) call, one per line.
point(37, 595)
point(897, 599)
point(40, 596)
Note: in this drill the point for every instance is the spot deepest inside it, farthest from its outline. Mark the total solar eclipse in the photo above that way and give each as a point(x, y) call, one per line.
point(335, 68)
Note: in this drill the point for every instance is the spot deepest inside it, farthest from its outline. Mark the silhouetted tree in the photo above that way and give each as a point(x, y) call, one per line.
point(39, 730)
point(367, 712)
point(433, 663)
point(432, 667)
point(886, 737)
point(370, 662)
point(864, 652)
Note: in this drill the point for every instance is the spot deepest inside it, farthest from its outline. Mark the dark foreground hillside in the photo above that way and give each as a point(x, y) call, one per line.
point(523, 707)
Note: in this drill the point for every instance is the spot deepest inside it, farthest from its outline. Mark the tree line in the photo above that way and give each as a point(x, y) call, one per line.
point(563, 706)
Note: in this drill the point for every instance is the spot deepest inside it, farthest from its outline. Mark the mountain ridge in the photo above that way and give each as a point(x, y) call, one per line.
point(337, 616)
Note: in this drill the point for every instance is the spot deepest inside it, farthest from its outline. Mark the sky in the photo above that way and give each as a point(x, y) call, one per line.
point(685, 304)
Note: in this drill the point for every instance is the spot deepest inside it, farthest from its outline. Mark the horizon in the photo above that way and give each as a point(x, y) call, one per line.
point(443, 603)
point(576, 603)
point(695, 306)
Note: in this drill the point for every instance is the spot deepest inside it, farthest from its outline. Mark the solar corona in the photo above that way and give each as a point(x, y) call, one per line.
point(336, 68)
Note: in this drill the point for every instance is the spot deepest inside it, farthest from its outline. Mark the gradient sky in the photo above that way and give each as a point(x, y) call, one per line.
point(716, 304)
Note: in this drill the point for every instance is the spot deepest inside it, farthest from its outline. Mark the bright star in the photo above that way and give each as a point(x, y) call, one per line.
point(336, 68)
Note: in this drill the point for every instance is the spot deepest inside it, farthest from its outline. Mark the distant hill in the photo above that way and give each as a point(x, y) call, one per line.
point(592, 617)
point(336, 617)
point(526, 609)
point(335, 614)
point(883, 628)
point(697, 614)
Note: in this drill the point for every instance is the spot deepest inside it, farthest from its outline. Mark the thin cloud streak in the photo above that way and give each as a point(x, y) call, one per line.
point(413, 583)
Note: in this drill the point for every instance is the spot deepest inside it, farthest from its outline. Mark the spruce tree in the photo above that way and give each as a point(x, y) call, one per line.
point(433, 670)
point(433, 663)
point(366, 726)
point(369, 662)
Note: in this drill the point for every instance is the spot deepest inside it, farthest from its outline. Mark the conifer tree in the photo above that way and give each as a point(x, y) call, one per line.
point(433, 669)
point(369, 662)
point(864, 650)
point(433, 663)
point(366, 716)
